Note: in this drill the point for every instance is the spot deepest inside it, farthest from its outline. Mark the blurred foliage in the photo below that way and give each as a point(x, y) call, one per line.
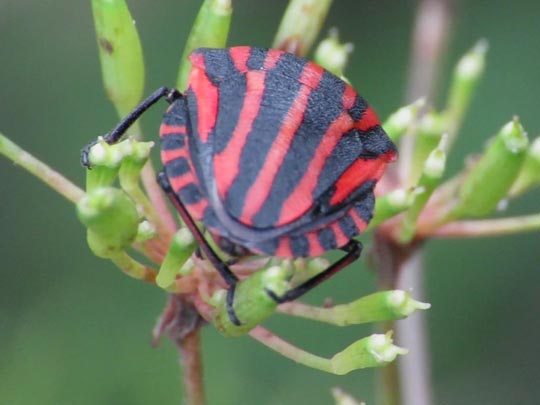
point(74, 329)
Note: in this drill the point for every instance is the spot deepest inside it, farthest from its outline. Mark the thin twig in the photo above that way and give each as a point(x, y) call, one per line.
point(39, 169)
point(181, 320)
point(404, 271)
point(190, 359)
point(488, 227)
point(288, 350)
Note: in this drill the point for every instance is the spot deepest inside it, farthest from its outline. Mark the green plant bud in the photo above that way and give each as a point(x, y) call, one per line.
point(377, 307)
point(391, 204)
point(467, 75)
point(127, 157)
point(136, 155)
point(373, 351)
point(120, 53)
point(300, 25)
point(529, 175)
point(432, 174)
point(210, 30)
point(399, 122)
point(104, 155)
point(111, 218)
point(187, 268)
point(252, 304)
point(181, 248)
point(490, 179)
point(332, 54)
point(146, 231)
point(431, 129)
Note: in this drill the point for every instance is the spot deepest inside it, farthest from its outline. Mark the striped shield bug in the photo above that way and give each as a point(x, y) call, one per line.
point(273, 154)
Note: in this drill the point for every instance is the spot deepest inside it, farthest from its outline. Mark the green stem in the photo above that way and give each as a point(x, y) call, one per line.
point(290, 351)
point(133, 268)
point(39, 169)
point(488, 227)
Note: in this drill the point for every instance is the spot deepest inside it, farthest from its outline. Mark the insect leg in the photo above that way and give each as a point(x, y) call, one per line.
point(117, 133)
point(353, 249)
point(225, 272)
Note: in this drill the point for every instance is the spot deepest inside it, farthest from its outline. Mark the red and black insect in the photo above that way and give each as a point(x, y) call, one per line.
point(273, 154)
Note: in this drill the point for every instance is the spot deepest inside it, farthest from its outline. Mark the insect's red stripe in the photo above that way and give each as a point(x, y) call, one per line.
point(341, 238)
point(284, 248)
point(301, 199)
point(315, 247)
point(206, 95)
point(197, 210)
point(171, 154)
point(272, 58)
point(178, 183)
point(240, 56)
point(349, 95)
point(358, 173)
point(260, 189)
point(360, 223)
point(227, 163)
point(311, 75)
point(166, 129)
point(368, 120)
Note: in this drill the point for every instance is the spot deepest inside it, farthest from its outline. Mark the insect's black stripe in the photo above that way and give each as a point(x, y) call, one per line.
point(327, 238)
point(348, 226)
point(177, 167)
point(319, 115)
point(190, 194)
point(358, 109)
point(346, 152)
point(218, 64)
point(364, 208)
point(176, 115)
point(375, 143)
point(299, 246)
point(173, 141)
point(229, 110)
point(276, 102)
point(256, 58)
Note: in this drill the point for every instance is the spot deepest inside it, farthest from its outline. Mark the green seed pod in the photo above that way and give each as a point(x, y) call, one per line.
point(529, 175)
point(391, 204)
point(332, 54)
point(491, 178)
point(111, 218)
point(252, 304)
point(432, 173)
point(120, 53)
point(378, 307)
point(300, 25)
point(210, 29)
point(400, 121)
point(467, 75)
point(430, 132)
point(181, 248)
point(373, 351)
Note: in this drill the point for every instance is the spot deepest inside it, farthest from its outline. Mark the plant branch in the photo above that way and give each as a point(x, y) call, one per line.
point(288, 350)
point(487, 227)
point(39, 169)
point(190, 360)
point(403, 267)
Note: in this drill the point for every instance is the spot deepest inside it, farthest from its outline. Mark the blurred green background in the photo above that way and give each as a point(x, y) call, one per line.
point(74, 330)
